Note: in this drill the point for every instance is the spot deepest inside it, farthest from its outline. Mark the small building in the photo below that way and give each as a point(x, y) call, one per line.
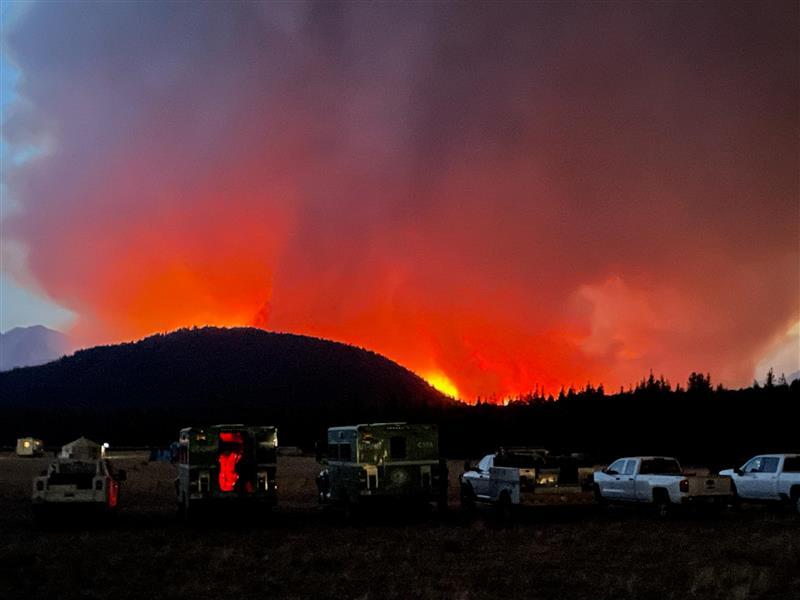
point(82, 449)
point(29, 446)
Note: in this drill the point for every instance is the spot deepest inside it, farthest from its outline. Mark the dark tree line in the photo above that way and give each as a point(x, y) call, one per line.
point(142, 393)
point(698, 423)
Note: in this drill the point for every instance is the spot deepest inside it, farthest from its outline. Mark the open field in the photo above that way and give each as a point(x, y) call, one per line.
point(302, 551)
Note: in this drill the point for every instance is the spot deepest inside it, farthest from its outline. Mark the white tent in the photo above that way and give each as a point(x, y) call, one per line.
point(82, 449)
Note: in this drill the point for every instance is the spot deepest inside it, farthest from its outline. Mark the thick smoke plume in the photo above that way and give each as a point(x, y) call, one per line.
point(502, 195)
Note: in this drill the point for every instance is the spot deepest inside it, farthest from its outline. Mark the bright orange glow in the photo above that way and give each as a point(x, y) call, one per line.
point(516, 225)
point(442, 383)
point(230, 453)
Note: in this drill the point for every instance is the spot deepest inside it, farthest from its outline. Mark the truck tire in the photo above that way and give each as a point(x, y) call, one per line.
point(467, 498)
point(662, 503)
point(597, 496)
point(441, 504)
point(41, 514)
point(795, 496)
point(350, 512)
point(736, 502)
point(503, 508)
point(184, 512)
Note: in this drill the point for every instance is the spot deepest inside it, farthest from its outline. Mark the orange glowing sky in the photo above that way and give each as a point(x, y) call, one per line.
point(496, 196)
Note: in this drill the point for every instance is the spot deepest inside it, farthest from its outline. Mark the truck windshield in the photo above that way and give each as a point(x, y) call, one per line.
point(660, 466)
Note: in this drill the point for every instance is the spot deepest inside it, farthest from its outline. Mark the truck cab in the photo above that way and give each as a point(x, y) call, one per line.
point(383, 461)
point(230, 464)
point(768, 477)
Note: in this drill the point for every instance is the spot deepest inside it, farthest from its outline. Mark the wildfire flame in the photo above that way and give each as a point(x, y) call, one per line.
point(442, 382)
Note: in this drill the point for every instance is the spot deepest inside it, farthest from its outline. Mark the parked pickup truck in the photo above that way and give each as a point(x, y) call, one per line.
point(77, 483)
point(768, 477)
point(660, 481)
point(524, 476)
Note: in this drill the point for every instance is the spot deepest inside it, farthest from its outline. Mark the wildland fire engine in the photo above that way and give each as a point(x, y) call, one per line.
point(383, 461)
point(226, 464)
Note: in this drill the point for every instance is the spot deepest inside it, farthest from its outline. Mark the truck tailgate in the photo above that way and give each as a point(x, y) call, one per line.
point(711, 485)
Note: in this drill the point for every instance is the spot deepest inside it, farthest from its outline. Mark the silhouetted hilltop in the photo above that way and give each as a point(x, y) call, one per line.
point(144, 391)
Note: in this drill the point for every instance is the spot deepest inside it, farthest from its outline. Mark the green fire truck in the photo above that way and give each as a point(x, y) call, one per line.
point(226, 464)
point(388, 461)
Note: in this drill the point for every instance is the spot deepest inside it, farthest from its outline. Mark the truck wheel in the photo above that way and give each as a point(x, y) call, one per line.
point(598, 497)
point(736, 502)
point(467, 497)
point(183, 512)
point(662, 504)
point(441, 504)
point(503, 509)
point(796, 500)
point(40, 513)
point(350, 510)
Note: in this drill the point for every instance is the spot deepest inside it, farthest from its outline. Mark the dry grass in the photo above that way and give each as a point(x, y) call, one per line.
point(303, 552)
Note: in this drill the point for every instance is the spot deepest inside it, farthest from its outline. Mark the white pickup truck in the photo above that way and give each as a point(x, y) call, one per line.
point(524, 476)
point(660, 481)
point(768, 477)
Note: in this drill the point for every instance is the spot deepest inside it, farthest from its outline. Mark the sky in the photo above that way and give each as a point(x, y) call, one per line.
point(497, 196)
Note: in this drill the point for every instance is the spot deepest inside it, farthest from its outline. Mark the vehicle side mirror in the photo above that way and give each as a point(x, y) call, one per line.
point(610, 472)
point(738, 471)
point(122, 475)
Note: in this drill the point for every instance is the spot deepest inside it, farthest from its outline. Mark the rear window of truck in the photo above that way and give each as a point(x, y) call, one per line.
point(791, 464)
point(660, 466)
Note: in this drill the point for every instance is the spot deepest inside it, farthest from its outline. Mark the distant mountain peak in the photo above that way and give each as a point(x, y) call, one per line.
point(31, 346)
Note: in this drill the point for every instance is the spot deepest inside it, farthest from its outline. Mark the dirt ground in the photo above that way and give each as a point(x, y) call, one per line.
point(301, 551)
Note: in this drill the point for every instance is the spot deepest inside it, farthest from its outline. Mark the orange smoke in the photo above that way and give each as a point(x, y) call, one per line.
point(499, 198)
